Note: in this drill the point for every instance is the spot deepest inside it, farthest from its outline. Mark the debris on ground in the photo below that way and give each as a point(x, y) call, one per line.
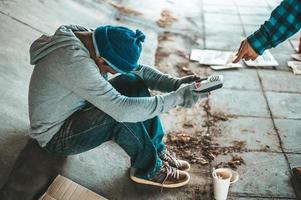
point(236, 161)
point(233, 163)
point(194, 192)
point(123, 9)
point(214, 118)
point(198, 147)
point(183, 67)
point(166, 19)
point(239, 145)
point(247, 130)
point(192, 147)
point(195, 142)
point(188, 125)
point(166, 36)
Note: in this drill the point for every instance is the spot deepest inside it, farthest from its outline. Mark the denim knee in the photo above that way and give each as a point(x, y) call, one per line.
point(130, 84)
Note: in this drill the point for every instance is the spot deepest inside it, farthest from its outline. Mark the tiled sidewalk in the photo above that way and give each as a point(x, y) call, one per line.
point(262, 105)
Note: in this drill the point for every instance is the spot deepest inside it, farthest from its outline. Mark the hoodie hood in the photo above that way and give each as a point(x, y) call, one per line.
point(44, 45)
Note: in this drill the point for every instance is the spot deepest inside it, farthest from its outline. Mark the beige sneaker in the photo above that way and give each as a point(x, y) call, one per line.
point(174, 162)
point(167, 177)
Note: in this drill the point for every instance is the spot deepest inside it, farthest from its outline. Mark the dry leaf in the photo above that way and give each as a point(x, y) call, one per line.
point(124, 9)
point(166, 19)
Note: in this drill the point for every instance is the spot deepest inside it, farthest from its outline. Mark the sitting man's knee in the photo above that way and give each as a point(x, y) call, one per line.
point(130, 84)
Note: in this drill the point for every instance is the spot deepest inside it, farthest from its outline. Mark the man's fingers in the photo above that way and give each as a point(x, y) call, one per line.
point(254, 57)
point(240, 46)
point(239, 56)
point(241, 52)
point(247, 58)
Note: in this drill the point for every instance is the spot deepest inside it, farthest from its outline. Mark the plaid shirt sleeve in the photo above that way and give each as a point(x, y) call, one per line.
point(284, 21)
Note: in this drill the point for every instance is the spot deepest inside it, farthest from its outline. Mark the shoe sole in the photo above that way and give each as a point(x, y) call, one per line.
point(147, 182)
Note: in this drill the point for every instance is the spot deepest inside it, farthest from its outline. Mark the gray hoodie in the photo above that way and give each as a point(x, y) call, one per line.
point(65, 78)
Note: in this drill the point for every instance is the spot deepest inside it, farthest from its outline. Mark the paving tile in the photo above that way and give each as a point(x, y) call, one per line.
point(250, 29)
point(282, 59)
point(280, 81)
point(45, 15)
point(242, 129)
point(223, 29)
point(245, 10)
point(284, 47)
point(221, 18)
point(14, 81)
point(219, 2)
point(219, 9)
point(289, 131)
point(224, 41)
point(285, 105)
point(294, 160)
point(253, 19)
point(251, 3)
point(263, 174)
point(185, 120)
point(151, 13)
point(238, 102)
point(294, 43)
point(243, 79)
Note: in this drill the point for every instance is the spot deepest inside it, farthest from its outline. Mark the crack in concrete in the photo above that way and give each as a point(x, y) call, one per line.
point(276, 130)
point(20, 21)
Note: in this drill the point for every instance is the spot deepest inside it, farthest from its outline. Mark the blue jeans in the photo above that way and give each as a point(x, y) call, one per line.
point(90, 127)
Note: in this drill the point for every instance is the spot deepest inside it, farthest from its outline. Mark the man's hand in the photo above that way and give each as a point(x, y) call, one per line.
point(188, 79)
point(187, 96)
point(245, 51)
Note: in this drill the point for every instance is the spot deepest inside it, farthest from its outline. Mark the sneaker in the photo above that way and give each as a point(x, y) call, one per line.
point(174, 162)
point(166, 177)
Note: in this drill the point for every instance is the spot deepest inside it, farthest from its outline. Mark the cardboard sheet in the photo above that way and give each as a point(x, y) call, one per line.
point(63, 188)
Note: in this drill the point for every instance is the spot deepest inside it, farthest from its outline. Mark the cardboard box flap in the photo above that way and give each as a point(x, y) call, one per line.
point(63, 188)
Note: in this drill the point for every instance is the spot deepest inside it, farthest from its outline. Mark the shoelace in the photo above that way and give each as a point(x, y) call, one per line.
point(167, 156)
point(170, 172)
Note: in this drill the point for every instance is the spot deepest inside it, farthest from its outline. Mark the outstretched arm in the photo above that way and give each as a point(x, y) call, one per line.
point(284, 21)
point(156, 80)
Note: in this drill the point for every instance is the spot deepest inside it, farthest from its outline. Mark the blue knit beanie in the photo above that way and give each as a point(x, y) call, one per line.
point(119, 46)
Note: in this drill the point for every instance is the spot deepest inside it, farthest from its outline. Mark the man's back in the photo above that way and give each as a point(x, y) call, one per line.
point(50, 102)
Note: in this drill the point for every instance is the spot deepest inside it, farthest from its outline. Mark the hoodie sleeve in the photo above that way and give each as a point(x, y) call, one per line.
point(156, 80)
point(84, 79)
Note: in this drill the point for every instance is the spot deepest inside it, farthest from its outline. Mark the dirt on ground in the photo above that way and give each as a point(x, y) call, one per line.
point(123, 9)
point(166, 19)
point(193, 141)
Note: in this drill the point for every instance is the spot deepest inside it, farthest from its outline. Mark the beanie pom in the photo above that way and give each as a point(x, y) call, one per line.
point(140, 36)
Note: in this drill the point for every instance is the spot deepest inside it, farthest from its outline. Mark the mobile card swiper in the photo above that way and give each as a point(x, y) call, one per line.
point(211, 83)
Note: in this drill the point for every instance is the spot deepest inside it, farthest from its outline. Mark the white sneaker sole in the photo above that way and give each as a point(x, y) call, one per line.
point(148, 182)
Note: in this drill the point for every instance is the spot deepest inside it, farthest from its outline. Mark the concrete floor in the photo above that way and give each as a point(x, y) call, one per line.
point(264, 104)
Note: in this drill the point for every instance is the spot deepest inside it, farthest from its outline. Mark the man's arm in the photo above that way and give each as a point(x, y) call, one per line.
point(83, 78)
point(285, 20)
point(156, 80)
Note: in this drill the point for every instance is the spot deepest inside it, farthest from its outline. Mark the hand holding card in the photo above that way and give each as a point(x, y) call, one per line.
point(211, 83)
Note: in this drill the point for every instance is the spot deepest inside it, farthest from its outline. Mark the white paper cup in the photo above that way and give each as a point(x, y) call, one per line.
point(221, 185)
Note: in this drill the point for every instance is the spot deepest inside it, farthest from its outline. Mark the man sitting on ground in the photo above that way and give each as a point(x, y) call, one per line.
point(73, 107)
